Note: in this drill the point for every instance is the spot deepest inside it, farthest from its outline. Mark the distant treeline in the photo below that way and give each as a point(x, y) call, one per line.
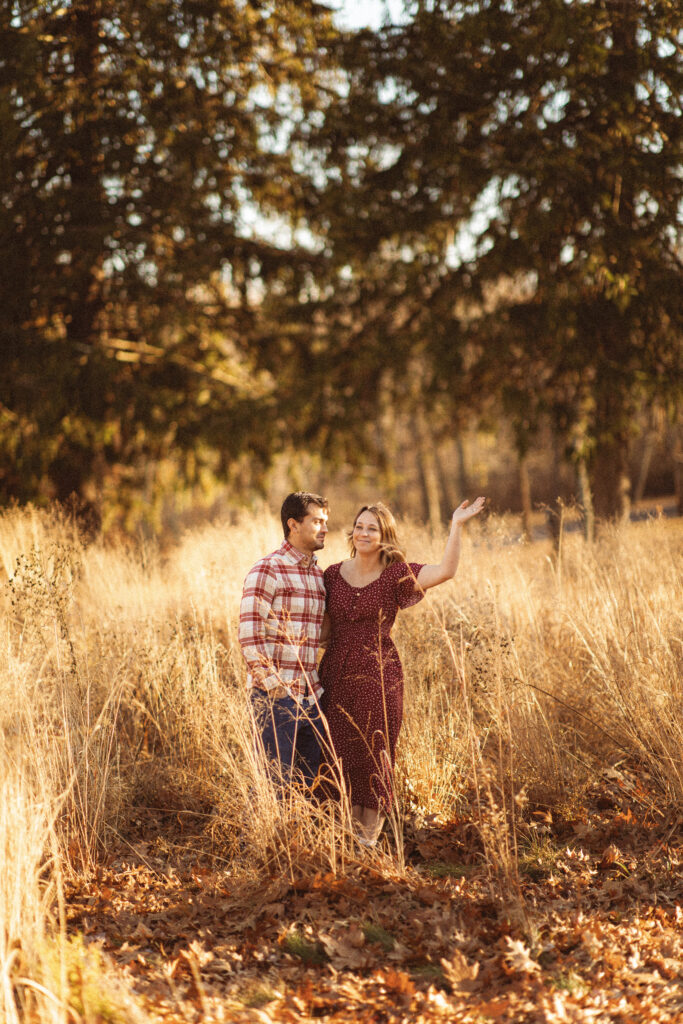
point(231, 230)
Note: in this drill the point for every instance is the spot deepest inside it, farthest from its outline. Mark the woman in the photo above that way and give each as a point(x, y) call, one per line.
point(361, 671)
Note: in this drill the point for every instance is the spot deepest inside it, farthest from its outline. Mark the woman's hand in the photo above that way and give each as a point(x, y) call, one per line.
point(466, 511)
point(432, 575)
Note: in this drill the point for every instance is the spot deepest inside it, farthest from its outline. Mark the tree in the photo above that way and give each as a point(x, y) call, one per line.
point(510, 176)
point(139, 140)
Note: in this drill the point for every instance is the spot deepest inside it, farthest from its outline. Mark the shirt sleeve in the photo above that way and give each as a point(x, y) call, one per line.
point(256, 609)
point(408, 592)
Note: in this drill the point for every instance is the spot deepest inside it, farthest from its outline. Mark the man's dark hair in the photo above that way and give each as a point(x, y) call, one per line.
point(296, 505)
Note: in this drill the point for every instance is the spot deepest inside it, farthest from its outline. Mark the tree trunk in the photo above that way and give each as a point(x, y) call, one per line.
point(610, 476)
point(678, 469)
point(463, 480)
point(611, 480)
point(554, 517)
point(71, 468)
point(525, 495)
point(586, 499)
point(648, 451)
point(555, 508)
point(386, 434)
point(85, 170)
point(655, 432)
point(429, 477)
point(449, 495)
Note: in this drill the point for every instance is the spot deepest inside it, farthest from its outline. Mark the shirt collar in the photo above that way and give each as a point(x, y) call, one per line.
point(294, 555)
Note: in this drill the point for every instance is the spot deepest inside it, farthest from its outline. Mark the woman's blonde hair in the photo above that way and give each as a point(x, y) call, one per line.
point(390, 550)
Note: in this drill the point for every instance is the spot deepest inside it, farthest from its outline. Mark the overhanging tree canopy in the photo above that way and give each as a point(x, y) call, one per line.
point(537, 143)
point(136, 137)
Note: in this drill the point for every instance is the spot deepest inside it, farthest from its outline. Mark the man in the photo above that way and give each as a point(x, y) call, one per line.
point(281, 615)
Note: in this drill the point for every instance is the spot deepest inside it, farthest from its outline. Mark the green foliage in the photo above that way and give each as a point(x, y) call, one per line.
point(303, 947)
point(446, 869)
point(138, 142)
point(570, 982)
point(539, 857)
point(376, 933)
point(256, 995)
point(490, 195)
point(503, 194)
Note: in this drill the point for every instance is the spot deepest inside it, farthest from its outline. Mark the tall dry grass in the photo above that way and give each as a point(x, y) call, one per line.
point(122, 685)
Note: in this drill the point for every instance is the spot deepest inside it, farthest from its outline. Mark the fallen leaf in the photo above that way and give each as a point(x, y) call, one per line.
point(518, 958)
point(460, 974)
point(611, 857)
point(398, 982)
point(438, 1001)
point(344, 943)
point(201, 955)
point(494, 1008)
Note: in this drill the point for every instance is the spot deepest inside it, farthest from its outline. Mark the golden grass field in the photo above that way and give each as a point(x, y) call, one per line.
point(529, 679)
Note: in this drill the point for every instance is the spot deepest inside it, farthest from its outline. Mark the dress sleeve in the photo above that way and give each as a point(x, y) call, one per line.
point(328, 580)
point(407, 591)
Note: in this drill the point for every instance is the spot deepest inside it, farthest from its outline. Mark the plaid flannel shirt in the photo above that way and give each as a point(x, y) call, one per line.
point(281, 614)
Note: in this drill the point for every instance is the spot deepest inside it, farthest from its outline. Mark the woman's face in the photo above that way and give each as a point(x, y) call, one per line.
point(367, 535)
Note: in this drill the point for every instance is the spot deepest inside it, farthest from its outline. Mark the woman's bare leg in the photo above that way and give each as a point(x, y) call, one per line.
point(368, 822)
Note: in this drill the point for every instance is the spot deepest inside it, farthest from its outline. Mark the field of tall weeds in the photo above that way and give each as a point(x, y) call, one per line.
point(122, 692)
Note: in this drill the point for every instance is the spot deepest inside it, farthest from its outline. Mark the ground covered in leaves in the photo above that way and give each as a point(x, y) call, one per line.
point(594, 932)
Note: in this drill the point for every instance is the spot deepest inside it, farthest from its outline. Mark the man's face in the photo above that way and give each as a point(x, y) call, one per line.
point(309, 535)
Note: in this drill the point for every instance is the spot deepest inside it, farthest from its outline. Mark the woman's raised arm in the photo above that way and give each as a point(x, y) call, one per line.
point(432, 575)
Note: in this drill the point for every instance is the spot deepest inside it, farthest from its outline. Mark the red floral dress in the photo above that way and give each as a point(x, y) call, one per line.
point(362, 677)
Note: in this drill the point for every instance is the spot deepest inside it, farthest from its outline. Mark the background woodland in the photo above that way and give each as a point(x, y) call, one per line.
point(245, 249)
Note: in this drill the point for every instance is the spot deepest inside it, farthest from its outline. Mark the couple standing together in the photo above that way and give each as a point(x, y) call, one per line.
point(350, 707)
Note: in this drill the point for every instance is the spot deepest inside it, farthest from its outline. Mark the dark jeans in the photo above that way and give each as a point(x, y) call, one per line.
point(290, 735)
